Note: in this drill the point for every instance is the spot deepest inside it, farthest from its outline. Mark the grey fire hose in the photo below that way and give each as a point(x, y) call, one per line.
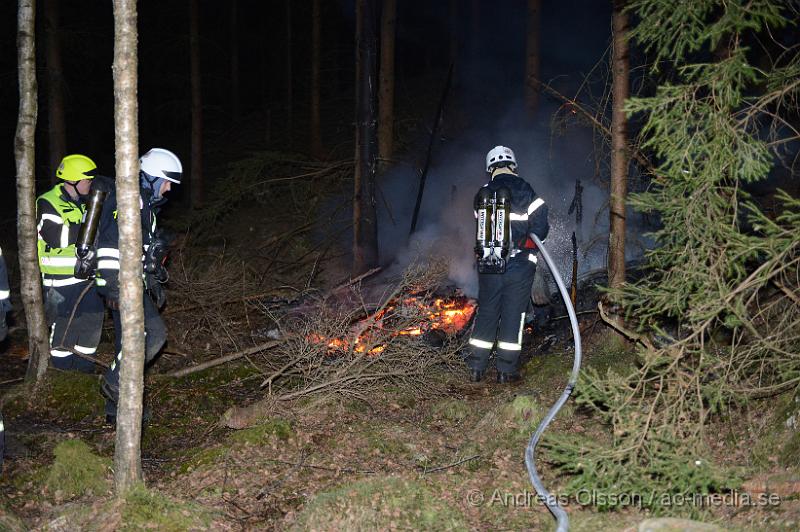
point(530, 451)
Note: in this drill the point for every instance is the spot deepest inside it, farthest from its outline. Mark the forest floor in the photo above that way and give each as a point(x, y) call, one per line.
point(434, 452)
point(449, 459)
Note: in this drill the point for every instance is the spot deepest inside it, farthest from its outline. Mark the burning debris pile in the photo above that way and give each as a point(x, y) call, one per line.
point(434, 319)
point(364, 338)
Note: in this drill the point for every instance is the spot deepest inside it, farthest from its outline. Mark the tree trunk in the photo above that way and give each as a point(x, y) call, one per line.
point(196, 180)
point(619, 141)
point(365, 228)
point(127, 452)
point(316, 135)
point(289, 88)
point(235, 102)
point(56, 132)
point(533, 58)
point(454, 25)
point(24, 154)
point(474, 34)
point(386, 100)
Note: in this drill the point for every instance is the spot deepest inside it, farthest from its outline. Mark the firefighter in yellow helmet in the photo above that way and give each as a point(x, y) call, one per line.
point(73, 308)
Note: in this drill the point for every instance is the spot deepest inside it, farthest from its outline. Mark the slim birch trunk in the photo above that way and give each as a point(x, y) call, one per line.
point(127, 450)
point(24, 153)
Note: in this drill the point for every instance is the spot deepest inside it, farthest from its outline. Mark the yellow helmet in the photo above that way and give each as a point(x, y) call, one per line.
point(75, 168)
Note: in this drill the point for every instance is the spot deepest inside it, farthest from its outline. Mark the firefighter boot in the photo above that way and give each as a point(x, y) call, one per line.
point(508, 378)
point(475, 375)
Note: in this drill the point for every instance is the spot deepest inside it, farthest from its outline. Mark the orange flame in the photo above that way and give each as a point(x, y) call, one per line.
point(447, 315)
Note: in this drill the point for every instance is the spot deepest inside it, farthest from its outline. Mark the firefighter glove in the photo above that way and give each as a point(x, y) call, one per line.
point(155, 288)
point(86, 264)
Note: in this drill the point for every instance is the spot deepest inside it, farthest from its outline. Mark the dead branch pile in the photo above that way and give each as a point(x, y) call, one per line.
point(350, 351)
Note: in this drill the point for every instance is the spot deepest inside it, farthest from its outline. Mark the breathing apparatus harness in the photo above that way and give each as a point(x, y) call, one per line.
point(493, 239)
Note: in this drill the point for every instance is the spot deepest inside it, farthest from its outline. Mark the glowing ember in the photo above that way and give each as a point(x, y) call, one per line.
point(447, 315)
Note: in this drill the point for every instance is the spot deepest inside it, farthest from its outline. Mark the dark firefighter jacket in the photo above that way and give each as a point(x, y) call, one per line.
point(108, 236)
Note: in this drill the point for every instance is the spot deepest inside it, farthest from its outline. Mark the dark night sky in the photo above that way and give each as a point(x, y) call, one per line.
point(574, 36)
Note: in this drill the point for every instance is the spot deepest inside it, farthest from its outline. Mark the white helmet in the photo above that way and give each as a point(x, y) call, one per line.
point(499, 154)
point(161, 163)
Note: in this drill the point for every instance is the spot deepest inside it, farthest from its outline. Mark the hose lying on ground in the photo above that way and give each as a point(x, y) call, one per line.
point(530, 451)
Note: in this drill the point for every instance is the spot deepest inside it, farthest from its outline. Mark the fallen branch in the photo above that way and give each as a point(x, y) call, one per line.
point(624, 332)
point(227, 358)
point(454, 464)
point(354, 280)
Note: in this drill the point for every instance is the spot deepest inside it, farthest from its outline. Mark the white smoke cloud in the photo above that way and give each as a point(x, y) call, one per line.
point(446, 226)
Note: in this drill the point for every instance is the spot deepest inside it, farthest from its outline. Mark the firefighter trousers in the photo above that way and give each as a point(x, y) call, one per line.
point(500, 319)
point(155, 336)
point(75, 314)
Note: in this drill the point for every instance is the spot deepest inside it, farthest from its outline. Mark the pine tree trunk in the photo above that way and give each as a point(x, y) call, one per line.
point(619, 142)
point(454, 25)
point(386, 100)
point(474, 34)
point(533, 58)
point(196, 187)
point(235, 102)
point(289, 87)
point(365, 229)
point(316, 135)
point(56, 132)
point(24, 154)
point(127, 451)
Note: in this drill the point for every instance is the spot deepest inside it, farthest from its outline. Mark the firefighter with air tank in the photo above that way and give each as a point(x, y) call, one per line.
point(98, 249)
point(507, 212)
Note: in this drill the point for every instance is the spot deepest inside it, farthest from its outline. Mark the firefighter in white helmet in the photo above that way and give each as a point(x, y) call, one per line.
point(160, 169)
point(504, 290)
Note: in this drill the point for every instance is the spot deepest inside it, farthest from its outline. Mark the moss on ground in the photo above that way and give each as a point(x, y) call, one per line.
point(150, 510)
point(74, 395)
point(262, 432)
point(780, 436)
point(10, 522)
point(453, 410)
point(221, 374)
point(197, 458)
point(77, 471)
point(519, 417)
point(790, 453)
point(379, 504)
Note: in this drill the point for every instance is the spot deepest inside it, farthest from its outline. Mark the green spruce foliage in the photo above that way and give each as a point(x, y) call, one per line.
point(719, 312)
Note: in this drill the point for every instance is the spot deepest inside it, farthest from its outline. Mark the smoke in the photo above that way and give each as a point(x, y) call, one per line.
point(446, 226)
